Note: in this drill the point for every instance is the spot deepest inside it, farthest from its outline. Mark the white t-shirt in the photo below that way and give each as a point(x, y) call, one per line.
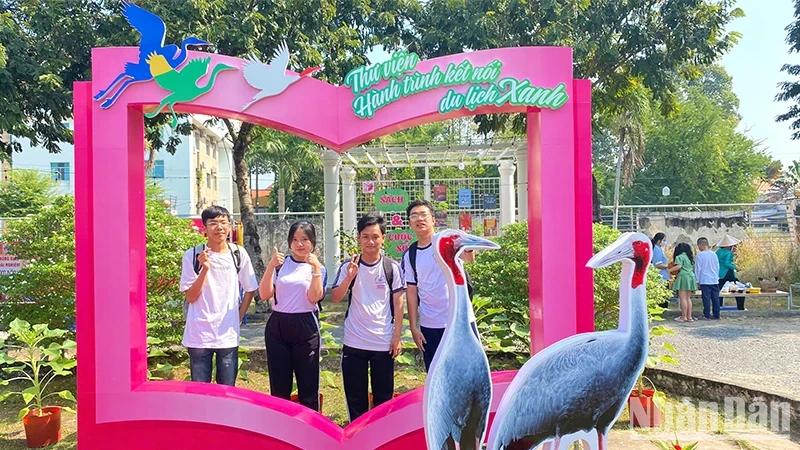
point(368, 325)
point(431, 289)
point(291, 287)
point(706, 267)
point(212, 321)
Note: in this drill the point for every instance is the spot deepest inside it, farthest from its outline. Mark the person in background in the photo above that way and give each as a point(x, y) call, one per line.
point(706, 271)
point(685, 284)
point(371, 333)
point(727, 269)
point(292, 332)
point(659, 257)
point(210, 280)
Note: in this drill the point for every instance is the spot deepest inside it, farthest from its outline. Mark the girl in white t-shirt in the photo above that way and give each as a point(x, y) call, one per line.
point(371, 335)
point(292, 332)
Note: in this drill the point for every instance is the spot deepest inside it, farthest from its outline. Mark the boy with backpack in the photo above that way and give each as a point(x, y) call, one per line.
point(374, 286)
point(427, 293)
point(210, 279)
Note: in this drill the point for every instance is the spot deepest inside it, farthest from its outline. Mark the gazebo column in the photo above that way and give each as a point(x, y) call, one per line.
point(506, 170)
point(330, 164)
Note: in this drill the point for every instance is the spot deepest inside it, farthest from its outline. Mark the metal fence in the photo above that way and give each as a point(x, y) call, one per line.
point(763, 218)
point(461, 203)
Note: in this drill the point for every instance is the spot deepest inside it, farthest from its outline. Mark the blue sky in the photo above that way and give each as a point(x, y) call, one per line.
point(755, 65)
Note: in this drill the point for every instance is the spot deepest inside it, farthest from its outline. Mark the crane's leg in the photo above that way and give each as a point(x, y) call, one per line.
point(103, 92)
point(110, 101)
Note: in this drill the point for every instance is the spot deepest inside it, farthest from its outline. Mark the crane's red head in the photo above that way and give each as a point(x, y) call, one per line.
point(450, 243)
point(634, 247)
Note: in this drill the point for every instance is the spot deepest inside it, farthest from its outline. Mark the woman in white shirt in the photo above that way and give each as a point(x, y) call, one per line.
point(292, 332)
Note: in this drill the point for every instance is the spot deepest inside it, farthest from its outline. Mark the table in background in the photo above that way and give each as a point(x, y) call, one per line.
point(771, 295)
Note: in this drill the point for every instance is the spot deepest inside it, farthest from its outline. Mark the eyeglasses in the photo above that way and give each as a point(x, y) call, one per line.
point(420, 216)
point(213, 224)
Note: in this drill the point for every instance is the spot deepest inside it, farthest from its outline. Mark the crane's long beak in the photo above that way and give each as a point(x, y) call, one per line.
point(615, 252)
point(470, 242)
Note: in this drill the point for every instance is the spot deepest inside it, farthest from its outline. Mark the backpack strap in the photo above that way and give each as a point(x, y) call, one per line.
point(412, 259)
point(275, 285)
point(237, 256)
point(195, 251)
point(388, 270)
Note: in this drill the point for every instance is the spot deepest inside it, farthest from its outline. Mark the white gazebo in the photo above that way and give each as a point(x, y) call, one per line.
point(509, 155)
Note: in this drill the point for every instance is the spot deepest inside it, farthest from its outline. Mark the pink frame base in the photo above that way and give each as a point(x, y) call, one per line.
point(120, 409)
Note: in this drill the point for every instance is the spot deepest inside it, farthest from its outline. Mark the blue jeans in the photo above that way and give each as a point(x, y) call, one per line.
point(710, 300)
point(227, 364)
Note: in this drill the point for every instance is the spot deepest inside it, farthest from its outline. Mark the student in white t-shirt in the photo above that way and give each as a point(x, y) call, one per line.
point(426, 290)
point(210, 279)
point(292, 331)
point(371, 334)
point(706, 269)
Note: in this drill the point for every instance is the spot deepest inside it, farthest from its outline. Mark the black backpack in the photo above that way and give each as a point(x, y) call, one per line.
point(197, 249)
point(389, 272)
point(412, 258)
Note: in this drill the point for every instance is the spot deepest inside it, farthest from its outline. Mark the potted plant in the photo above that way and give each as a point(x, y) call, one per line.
point(34, 356)
point(646, 406)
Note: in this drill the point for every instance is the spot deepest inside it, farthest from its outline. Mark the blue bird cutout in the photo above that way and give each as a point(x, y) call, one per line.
point(153, 30)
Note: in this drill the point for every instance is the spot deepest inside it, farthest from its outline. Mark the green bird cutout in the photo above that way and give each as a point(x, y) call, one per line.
point(183, 84)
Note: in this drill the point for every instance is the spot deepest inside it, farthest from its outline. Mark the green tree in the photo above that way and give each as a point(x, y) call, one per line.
point(288, 157)
point(44, 290)
point(700, 155)
point(25, 192)
point(790, 90)
point(616, 43)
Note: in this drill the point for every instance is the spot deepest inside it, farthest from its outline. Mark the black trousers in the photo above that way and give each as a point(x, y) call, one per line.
point(293, 348)
point(739, 300)
point(433, 337)
point(355, 365)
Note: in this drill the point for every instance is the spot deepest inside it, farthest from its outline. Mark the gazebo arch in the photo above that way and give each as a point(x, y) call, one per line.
point(120, 408)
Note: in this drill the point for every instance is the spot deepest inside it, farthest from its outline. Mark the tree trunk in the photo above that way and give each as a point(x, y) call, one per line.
point(241, 142)
point(596, 212)
point(282, 202)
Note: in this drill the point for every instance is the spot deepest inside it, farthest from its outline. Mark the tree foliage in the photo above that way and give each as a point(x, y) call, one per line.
point(696, 151)
point(790, 90)
point(25, 192)
point(616, 43)
point(44, 290)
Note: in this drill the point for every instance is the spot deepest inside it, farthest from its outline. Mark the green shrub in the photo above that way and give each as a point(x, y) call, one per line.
point(44, 290)
point(500, 278)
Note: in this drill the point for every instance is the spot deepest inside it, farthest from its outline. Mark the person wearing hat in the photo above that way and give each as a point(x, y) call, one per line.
point(727, 268)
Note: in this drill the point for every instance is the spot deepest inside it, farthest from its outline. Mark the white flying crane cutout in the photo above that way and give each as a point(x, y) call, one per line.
point(273, 79)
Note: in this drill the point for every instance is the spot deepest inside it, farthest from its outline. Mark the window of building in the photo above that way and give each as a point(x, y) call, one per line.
point(215, 183)
point(208, 180)
point(60, 171)
point(197, 141)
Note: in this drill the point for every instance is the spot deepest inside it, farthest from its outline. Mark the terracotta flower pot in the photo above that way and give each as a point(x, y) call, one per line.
point(45, 429)
point(644, 413)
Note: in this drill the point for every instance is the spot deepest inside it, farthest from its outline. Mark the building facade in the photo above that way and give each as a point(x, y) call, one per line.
point(198, 175)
